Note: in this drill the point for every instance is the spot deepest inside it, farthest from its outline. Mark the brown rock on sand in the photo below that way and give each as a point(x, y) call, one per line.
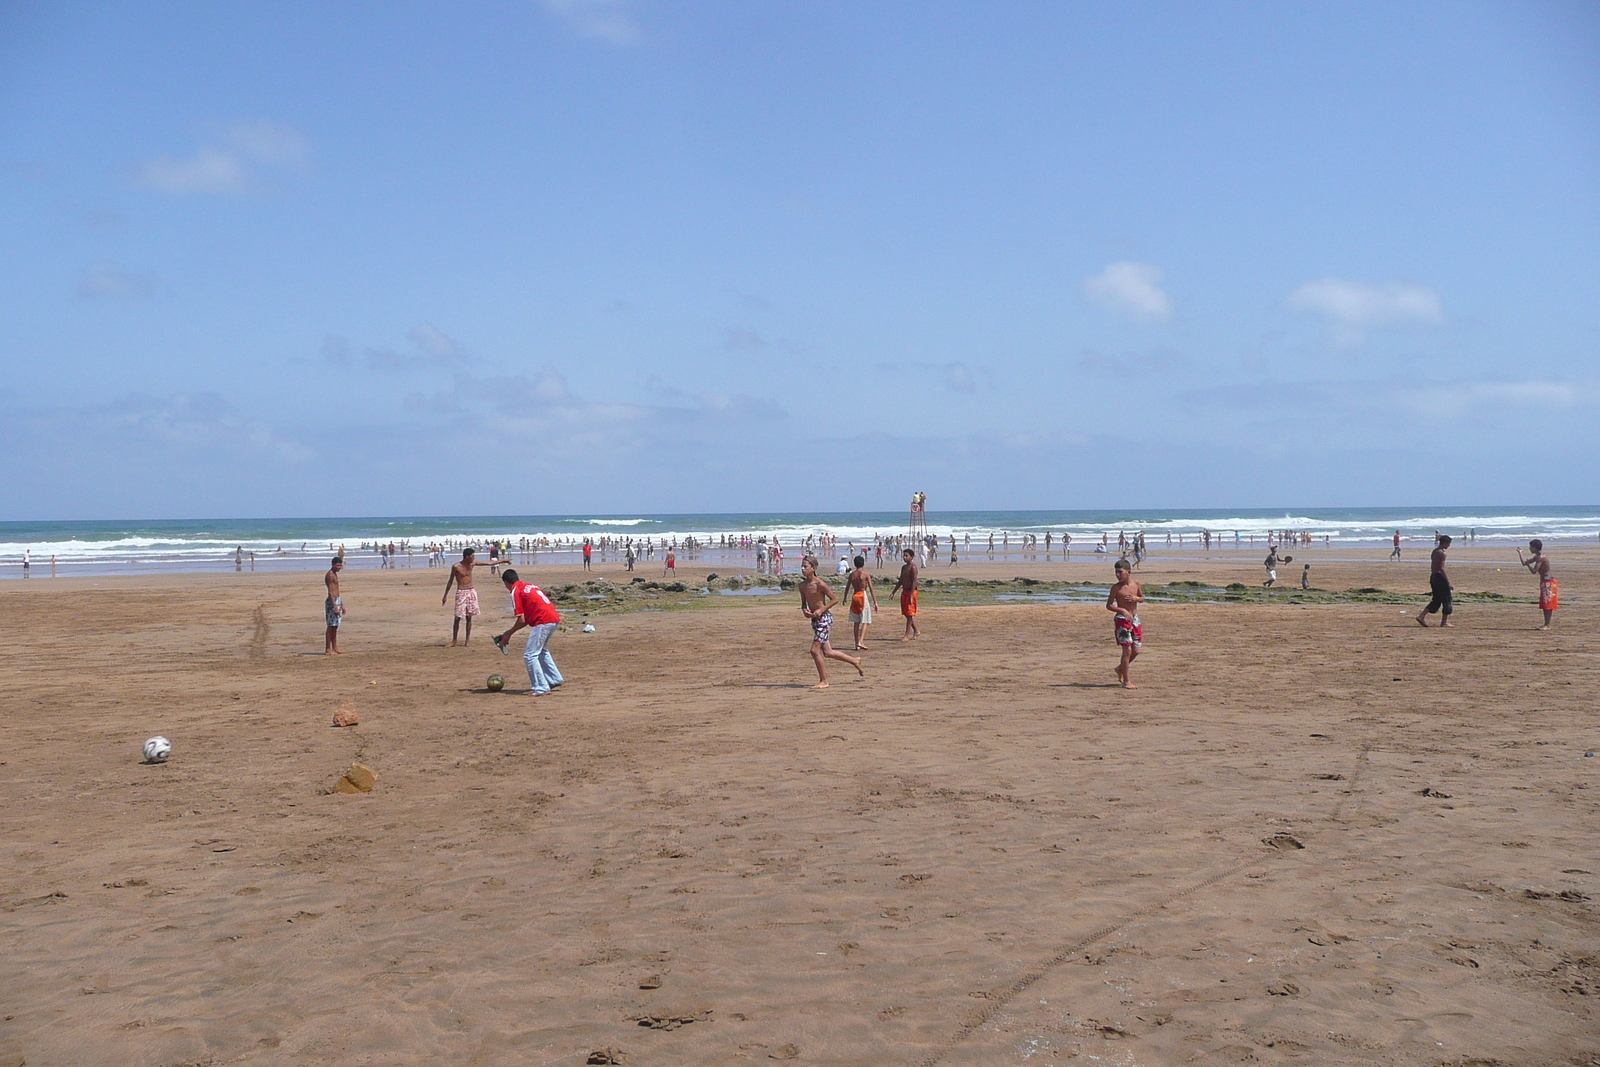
point(358, 779)
point(346, 716)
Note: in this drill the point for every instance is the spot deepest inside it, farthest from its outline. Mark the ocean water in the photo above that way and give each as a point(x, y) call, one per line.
point(199, 545)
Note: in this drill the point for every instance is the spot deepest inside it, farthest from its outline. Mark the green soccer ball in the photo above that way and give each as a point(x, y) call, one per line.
point(496, 683)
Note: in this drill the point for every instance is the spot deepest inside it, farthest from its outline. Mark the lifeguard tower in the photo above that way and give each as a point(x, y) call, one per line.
point(919, 518)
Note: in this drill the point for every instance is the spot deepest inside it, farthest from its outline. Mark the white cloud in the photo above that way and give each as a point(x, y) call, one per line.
point(436, 343)
point(1352, 308)
point(107, 281)
point(957, 376)
point(1133, 288)
point(231, 165)
point(1452, 400)
point(601, 20)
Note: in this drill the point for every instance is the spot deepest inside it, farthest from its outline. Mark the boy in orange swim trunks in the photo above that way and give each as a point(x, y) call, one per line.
point(1539, 564)
point(906, 584)
point(863, 601)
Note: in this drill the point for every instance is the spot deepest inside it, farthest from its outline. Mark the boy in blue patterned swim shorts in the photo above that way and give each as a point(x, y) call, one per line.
point(816, 604)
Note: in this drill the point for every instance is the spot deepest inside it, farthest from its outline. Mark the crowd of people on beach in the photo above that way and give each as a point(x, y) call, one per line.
point(534, 610)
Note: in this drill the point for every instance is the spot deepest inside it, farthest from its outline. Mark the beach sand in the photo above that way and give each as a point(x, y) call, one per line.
point(1315, 834)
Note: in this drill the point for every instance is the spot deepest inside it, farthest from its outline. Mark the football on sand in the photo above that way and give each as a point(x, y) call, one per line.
point(157, 749)
point(496, 683)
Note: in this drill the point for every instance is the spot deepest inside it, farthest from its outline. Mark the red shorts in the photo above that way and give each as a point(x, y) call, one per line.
point(1549, 595)
point(908, 603)
point(1128, 631)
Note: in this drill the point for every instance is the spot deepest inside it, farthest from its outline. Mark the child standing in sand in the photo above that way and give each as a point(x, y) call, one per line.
point(906, 585)
point(1124, 599)
point(1539, 564)
point(1438, 585)
point(816, 604)
point(863, 601)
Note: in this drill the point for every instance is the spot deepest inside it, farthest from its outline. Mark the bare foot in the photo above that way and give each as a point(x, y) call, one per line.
point(1129, 685)
point(860, 670)
point(1442, 625)
point(820, 685)
point(332, 652)
point(452, 644)
point(1422, 621)
point(1544, 627)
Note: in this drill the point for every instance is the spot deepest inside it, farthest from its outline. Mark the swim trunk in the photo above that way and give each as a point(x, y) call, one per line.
point(1128, 631)
point(860, 608)
point(466, 603)
point(822, 627)
point(330, 610)
point(908, 603)
point(1549, 595)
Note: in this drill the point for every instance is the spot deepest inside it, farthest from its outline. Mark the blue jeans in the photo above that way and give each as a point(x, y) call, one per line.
point(542, 672)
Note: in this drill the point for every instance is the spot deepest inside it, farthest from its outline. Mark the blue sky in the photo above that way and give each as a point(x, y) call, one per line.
point(602, 255)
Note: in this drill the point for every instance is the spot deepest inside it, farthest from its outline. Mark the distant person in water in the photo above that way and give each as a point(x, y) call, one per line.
point(1439, 585)
point(1539, 564)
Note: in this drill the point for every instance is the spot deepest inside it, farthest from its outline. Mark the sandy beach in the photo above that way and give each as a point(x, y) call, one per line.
point(1316, 834)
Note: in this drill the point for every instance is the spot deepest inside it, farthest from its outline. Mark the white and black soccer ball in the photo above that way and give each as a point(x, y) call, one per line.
point(157, 749)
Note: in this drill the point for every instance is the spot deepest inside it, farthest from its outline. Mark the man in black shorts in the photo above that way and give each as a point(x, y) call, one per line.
point(1439, 582)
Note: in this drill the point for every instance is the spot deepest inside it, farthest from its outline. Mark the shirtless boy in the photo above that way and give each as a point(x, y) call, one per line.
point(1124, 599)
point(1549, 595)
point(466, 594)
point(332, 608)
point(906, 584)
point(863, 601)
point(1439, 585)
point(816, 603)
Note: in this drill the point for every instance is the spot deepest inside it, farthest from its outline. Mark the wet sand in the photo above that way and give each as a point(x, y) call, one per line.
point(986, 853)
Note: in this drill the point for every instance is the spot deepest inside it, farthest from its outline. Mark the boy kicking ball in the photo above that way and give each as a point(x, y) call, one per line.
point(1124, 599)
point(816, 603)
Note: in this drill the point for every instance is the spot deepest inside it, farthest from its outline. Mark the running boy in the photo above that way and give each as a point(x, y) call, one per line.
point(1549, 595)
point(907, 586)
point(1124, 599)
point(816, 603)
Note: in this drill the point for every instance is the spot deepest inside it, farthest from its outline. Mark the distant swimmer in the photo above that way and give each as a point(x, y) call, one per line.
point(816, 604)
point(1539, 564)
point(1439, 584)
point(906, 585)
point(466, 594)
point(1124, 599)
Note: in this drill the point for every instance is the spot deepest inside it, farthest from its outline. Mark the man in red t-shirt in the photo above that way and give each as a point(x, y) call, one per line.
point(588, 552)
point(535, 611)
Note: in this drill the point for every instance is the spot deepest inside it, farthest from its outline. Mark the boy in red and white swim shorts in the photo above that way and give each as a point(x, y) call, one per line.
point(1124, 599)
